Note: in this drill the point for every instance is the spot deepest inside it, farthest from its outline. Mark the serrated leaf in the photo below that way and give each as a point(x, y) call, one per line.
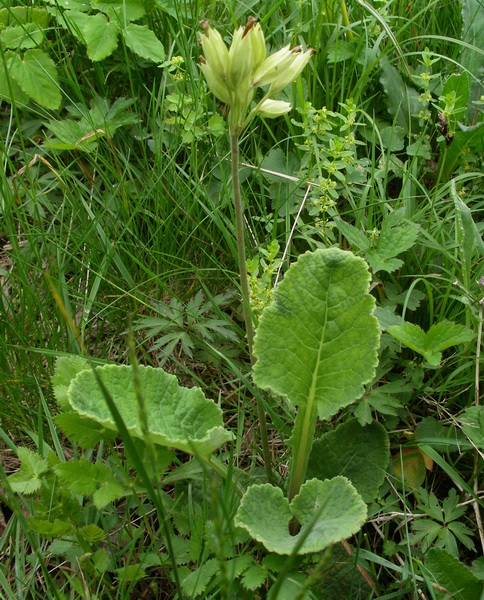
point(19, 37)
point(143, 42)
point(20, 15)
point(74, 21)
point(55, 528)
point(107, 493)
point(254, 577)
point(195, 583)
point(355, 237)
point(28, 478)
point(341, 51)
point(359, 453)
point(332, 510)
point(126, 10)
point(430, 345)
point(9, 89)
point(91, 533)
point(472, 421)
point(130, 573)
point(36, 75)
point(393, 138)
point(78, 477)
point(448, 572)
point(316, 342)
point(101, 37)
point(66, 368)
point(86, 432)
point(397, 235)
point(177, 417)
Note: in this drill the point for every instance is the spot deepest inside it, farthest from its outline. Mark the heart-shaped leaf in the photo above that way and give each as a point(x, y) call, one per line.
point(331, 510)
point(359, 453)
point(177, 417)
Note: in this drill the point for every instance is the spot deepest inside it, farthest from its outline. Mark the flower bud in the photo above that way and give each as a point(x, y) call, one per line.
point(258, 45)
point(241, 58)
point(216, 84)
point(215, 51)
point(293, 70)
point(274, 108)
point(273, 67)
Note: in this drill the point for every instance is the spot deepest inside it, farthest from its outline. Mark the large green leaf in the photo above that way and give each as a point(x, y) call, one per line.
point(20, 37)
point(143, 42)
point(330, 510)
point(177, 417)
point(359, 453)
point(317, 341)
point(101, 36)
point(454, 576)
point(36, 75)
point(9, 89)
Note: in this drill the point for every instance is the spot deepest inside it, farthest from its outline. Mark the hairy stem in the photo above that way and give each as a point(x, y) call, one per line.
point(244, 287)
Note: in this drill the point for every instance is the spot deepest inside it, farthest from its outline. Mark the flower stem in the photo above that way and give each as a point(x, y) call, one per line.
point(244, 287)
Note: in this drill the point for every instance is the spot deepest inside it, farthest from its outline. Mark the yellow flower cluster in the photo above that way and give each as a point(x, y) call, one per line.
point(233, 74)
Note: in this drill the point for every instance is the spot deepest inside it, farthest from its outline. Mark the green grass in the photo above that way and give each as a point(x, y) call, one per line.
point(94, 238)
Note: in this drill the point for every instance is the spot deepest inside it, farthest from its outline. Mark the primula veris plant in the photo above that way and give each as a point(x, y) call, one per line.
point(233, 75)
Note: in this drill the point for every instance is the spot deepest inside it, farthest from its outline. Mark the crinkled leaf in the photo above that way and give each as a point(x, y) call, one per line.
point(393, 138)
point(36, 75)
point(448, 572)
point(332, 510)
point(317, 341)
point(177, 417)
point(359, 453)
point(472, 421)
point(143, 42)
point(101, 37)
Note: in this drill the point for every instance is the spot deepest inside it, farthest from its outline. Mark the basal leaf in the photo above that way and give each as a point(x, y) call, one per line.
point(143, 42)
point(177, 417)
point(317, 341)
point(332, 510)
point(36, 75)
point(101, 36)
point(359, 453)
point(448, 572)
